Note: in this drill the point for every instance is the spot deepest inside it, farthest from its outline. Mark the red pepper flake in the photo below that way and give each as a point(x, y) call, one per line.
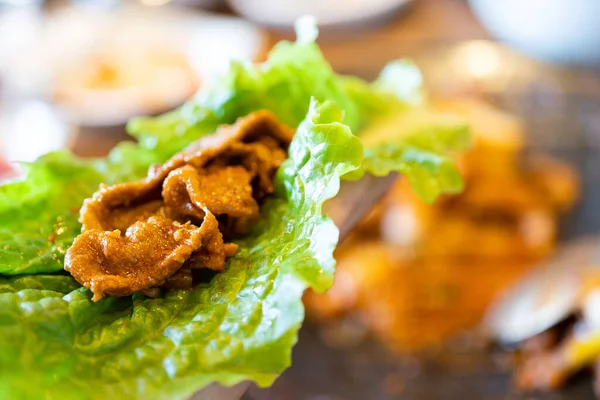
point(52, 237)
point(75, 210)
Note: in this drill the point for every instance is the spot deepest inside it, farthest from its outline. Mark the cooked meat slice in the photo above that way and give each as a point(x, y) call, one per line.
point(551, 369)
point(259, 159)
point(150, 251)
point(140, 236)
point(251, 129)
point(260, 137)
point(223, 191)
point(145, 257)
point(181, 279)
point(123, 217)
point(102, 210)
point(543, 371)
point(213, 253)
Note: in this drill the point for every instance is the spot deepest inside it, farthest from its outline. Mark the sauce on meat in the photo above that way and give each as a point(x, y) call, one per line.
point(140, 236)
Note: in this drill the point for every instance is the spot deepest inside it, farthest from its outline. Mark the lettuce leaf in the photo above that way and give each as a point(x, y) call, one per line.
point(40, 213)
point(418, 143)
point(294, 73)
point(56, 343)
point(240, 324)
point(390, 114)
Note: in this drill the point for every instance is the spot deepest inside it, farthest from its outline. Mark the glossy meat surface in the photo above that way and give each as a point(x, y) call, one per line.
point(152, 233)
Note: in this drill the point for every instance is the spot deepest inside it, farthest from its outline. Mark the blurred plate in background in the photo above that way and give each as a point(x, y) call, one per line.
point(556, 30)
point(329, 13)
point(80, 71)
point(104, 67)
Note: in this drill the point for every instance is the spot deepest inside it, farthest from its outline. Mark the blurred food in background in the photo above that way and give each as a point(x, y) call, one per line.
point(6, 170)
point(550, 319)
point(143, 61)
point(109, 87)
point(418, 273)
point(78, 73)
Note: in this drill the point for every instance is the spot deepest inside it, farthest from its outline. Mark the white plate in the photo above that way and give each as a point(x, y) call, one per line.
point(329, 13)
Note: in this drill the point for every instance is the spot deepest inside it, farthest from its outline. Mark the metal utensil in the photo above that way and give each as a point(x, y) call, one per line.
point(355, 199)
point(547, 295)
point(215, 391)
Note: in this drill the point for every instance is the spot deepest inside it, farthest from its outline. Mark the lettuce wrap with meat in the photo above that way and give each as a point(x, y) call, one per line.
point(241, 323)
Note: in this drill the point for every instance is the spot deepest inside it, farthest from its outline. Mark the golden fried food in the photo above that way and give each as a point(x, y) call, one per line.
point(411, 303)
point(498, 137)
point(509, 208)
point(435, 268)
point(556, 180)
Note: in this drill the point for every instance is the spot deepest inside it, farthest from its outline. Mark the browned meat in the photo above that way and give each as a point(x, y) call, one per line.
point(547, 370)
point(182, 279)
point(249, 143)
point(596, 372)
point(142, 235)
point(123, 217)
point(540, 343)
point(223, 190)
point(552, 367)
point(148, 253)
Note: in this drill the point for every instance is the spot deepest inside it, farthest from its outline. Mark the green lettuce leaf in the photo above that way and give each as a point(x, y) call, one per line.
point(403, 79)
point(40, 213)
point(293, 74)
point(418, 143)
point(390, 114)
point(240, 324)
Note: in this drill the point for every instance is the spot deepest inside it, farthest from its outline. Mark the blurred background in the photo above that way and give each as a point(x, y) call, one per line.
point(425, 304)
